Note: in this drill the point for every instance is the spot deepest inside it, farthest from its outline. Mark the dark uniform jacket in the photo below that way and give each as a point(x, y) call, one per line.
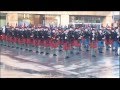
point(114, 36)
point(100, 36)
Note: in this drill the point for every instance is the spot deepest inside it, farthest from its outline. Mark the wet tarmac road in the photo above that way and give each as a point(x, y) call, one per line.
point(104, 65)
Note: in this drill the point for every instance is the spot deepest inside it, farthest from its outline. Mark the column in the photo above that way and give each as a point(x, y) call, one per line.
point(108, 20)
point(64, 20)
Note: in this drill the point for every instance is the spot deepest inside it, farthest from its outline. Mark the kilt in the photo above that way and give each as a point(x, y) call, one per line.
point(41, 42)
point(24, 40)
point(15, 39)
point(111, 41)
point(28, 41)
point(60, 42)
point(66, 46)
point(35, 42)
point(76, 43)
point(72, 43)
point(51, 43)
point(31, 41)
point(100, 44)
point(47, 43)
point(115, 44)
point(19, 41)
point(93, 44)
point(8, 38)
point(11, 39)
point(1, 37)
point(54, 44)
point(107, 42)
point(86, 41)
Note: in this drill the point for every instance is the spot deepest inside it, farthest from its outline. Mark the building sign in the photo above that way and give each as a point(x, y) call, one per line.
point(86, 19)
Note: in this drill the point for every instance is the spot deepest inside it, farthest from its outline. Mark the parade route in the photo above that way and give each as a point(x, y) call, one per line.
point(59, 44)
point(15, 63)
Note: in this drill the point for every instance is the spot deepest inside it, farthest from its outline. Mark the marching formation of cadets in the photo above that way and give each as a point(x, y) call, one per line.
point(46, 40)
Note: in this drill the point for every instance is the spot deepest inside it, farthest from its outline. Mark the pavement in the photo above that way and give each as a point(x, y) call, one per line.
point(16, 63)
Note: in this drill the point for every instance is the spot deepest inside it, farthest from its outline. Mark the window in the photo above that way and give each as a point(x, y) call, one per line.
point(52, 19)
point(24, 18)
point(2, 19)
point(86, 19)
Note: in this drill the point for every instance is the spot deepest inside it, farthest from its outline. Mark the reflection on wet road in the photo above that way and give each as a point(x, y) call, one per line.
point(105, 65)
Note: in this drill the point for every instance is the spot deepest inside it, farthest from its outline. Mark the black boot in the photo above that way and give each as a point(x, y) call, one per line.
point(77, 53)
point(71, 52)
point(54, 55)
point(60, 50)
point(37, 52)
point(87, 50)
point(12, 46)
point(17, 47)
point(41, 52)
point(30, 50)
point(67, 57)
point(107, 49)
point(93, 56)
point(26, 49)
point(47, 53)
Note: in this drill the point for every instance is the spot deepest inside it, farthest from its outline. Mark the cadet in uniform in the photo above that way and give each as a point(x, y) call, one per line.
point(107, 39)
point(87, 38)
point(115, 36)
point(93, 43)
point(100, 38)
point(66, 45)
point(77, 41)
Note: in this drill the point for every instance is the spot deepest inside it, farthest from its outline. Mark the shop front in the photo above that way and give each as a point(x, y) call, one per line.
point(78, 20)
point(38, 19)
point(27, 19)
